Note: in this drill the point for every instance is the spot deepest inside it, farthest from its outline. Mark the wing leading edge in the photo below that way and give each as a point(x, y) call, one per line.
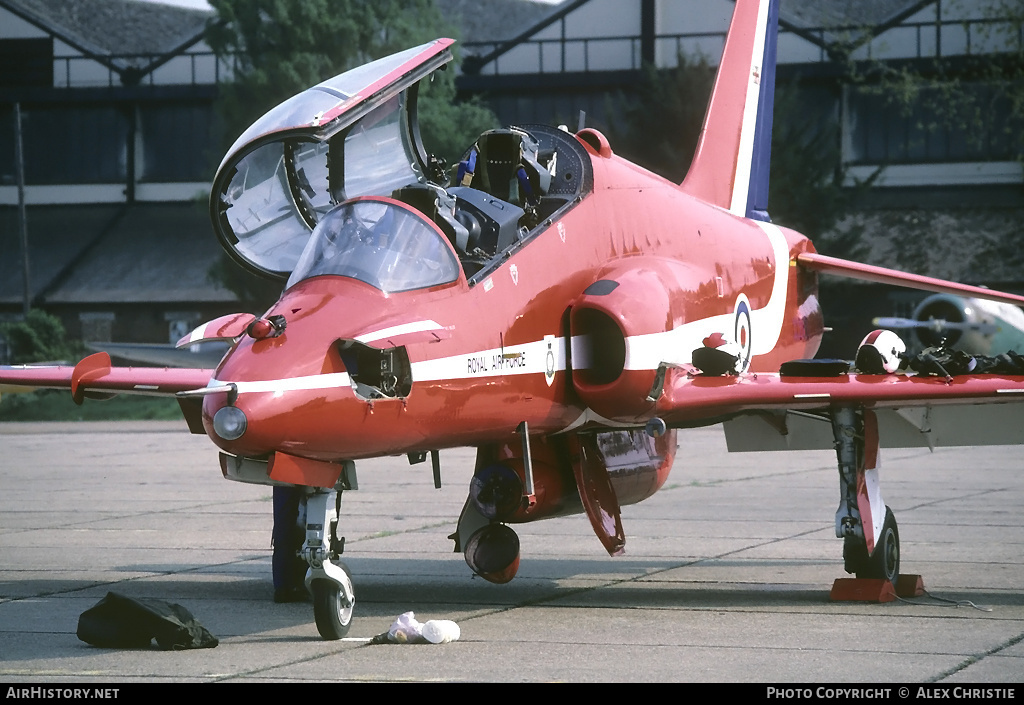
point(869, 272)
point(94, 374)
point(95, 377)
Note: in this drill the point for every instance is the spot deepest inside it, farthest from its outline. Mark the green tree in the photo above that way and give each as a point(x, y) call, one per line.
point(40, 337)
point(809, 189)
point(974, 101)
point(281, 48)
point(661, 125)
point(448, 125)
point(661, 121)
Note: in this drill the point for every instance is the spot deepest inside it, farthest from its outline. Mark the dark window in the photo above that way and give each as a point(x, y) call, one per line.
point(26, 62)
point(6, 145)
point(177, 143)
point(973, 123)
point(74, 145)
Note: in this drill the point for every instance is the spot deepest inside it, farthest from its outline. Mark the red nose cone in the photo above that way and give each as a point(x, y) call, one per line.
point(260, 329)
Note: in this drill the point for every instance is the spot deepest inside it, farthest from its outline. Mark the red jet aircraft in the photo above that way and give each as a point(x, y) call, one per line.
point(546, 308)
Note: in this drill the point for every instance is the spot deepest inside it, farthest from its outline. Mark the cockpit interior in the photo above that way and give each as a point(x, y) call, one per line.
point(509, 186)
point(310, 189)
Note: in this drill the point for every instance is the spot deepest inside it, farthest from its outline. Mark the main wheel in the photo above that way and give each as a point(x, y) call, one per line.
point(332, 608)
point(884, 562)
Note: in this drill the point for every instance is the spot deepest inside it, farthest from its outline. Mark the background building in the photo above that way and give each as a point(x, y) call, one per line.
point(947, 198)
point(120, 134)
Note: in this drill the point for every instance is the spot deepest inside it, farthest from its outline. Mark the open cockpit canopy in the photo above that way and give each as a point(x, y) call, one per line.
point(352, 135)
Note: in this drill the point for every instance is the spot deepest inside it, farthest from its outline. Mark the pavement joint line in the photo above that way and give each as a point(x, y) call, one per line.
point(150, 575)
point(224, 677)
point(747, 478)
point(958, 498)
point(396, 532)
point(120, 515)
point(977, 658)
point(570, 592)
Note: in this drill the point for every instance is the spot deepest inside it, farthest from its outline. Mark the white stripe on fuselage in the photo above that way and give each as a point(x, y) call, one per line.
point(395, 331)
point(524, 359)
point(330, 380)
point(646, 352)
point(744, 157)
point(643, 352)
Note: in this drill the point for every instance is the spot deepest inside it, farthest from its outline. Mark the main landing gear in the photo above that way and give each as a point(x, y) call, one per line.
point(871, 539)
point(334, 597)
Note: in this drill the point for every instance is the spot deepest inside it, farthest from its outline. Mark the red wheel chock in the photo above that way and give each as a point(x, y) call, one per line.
point(875, 590)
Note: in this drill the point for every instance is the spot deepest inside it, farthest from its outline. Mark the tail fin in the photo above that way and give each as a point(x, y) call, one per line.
point(730, 166)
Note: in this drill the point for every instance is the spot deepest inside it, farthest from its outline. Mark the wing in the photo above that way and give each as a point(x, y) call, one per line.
point(881, 275)
point(95, 377)
point(206, 354)
point(774, 412)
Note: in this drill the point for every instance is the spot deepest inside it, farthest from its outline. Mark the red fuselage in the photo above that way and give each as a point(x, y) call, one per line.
point(522, 344)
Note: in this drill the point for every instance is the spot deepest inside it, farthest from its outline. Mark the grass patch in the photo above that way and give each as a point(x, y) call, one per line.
point(56, 405)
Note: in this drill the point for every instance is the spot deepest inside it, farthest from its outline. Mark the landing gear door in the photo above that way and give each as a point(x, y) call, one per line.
point(352, 135)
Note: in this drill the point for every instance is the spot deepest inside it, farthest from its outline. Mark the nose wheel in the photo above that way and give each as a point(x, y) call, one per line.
point(334, 597)
point(333, 604)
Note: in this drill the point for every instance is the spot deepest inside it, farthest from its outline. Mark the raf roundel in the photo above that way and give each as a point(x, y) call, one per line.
point(742, 330)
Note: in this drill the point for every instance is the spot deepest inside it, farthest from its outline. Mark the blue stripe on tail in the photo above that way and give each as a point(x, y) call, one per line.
point(757, 194)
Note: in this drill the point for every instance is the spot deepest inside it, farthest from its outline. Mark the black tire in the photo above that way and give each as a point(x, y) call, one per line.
point(855, 554)
point(884, 562)
point(333, 617)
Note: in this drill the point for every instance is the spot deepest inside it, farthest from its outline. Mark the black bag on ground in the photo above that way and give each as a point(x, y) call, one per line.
point(121, 622)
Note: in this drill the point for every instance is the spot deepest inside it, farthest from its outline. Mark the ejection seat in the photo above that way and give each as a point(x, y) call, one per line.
point(435, 203)
point(498, 187)
point(505, 164)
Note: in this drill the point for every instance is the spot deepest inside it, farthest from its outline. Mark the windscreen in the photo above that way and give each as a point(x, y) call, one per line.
point(381, 243)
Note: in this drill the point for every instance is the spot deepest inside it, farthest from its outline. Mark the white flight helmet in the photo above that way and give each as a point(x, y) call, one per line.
point(880, 352)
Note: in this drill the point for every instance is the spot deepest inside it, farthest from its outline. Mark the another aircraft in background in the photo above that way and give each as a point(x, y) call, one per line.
point(976, 326)
point(554, 305)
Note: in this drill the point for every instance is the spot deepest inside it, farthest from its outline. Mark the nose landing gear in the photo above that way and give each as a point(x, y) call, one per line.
point(333, 601)
point(334, 596)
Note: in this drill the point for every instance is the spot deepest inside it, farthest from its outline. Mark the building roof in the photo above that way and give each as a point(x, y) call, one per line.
point(109, 27)
point(848, 13)
point(970, 245)
point(54, 245)
point(831, 23)
point(140, 253)
point(827, 23)
point(107, 30)
point(493, 20)
point(156, 252)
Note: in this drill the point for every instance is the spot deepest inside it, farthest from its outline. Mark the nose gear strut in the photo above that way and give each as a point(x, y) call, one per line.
point(329, 580)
